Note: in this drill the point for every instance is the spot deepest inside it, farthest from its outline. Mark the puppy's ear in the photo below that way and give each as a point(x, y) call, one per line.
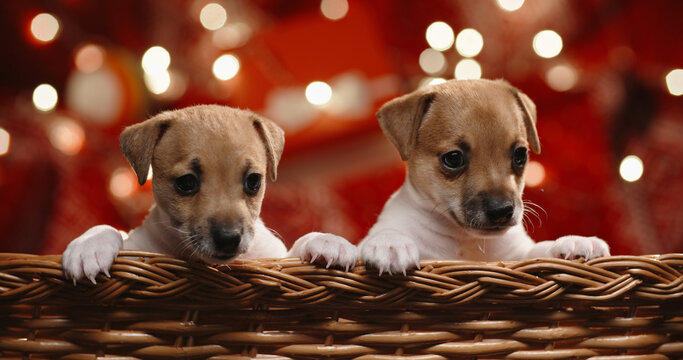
point(273, 138)
point(529, 115)
point(401, 118)
point(138, 142)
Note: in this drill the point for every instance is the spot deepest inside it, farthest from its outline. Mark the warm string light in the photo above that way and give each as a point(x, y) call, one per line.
point(155, 63)
point(226, 67)
point(66, 136)
point(318, 93)
point(469, 43)
point(510, 5)
point(467, 69)
point(122, 183)
point(156, 60)
point(674, 82)
point(534, 174)
point(45, 97)
point(89, 58)
point(45, 27)
point(432, 61)
point(631, 168)
point(561, 77)
point(440, 36)
point(547, 44)
point(213, 16)
point(4, 142)
point(334, 9)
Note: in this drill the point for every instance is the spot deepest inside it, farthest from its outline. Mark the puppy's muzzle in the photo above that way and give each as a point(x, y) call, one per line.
point(489, 212)
point(226, 239)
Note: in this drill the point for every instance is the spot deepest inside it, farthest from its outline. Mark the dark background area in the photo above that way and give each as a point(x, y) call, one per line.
point(63, 171)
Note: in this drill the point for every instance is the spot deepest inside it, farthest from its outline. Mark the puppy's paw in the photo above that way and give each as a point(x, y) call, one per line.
point(325, 249)
point(390, 251)
point(92, 253)
point(574, 247)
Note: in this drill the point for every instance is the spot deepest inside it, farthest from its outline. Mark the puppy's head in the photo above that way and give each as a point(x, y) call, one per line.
point(466, 144)
point(210, 164)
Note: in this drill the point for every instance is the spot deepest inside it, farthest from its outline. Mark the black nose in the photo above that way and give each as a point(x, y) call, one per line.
point(498, 211)
point(226, 238)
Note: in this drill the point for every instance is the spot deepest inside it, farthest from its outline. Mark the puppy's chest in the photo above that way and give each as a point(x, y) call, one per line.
point(458, 248)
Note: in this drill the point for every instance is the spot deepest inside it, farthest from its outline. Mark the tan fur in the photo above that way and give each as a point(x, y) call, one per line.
point(224, 152)
point(469, 211)
point(485, 115)
point(219, 147)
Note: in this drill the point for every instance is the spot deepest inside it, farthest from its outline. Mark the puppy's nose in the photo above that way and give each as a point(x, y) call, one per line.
point(498, 211)
point(225, 238)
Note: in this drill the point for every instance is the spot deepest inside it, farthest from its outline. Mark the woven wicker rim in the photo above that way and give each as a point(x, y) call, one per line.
point(144, 277)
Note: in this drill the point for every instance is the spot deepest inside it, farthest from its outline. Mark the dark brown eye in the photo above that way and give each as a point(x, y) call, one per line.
point(519, 157)
point(187, 185)
point(453, 160)
point(252, 184)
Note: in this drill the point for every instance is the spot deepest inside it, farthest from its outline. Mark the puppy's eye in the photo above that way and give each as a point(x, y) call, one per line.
point(519, 157)
point(187, 185)
point(252, 184)
point(453, 160)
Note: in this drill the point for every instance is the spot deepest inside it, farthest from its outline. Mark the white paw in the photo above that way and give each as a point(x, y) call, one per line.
point(574, 247)
point(92, 253)
point(325, 249)
point(390, 251)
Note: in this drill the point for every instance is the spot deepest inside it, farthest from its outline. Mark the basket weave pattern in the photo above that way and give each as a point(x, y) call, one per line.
point(160, 307)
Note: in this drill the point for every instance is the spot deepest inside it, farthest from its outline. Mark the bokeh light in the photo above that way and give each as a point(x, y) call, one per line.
point(631, 168)
point(226, 67)
point(158, 83)
point(213, 16)
point(467, 69)
point(427, 81)
point(469, 42)
point(122, 182)
point(334, 9)
point(674, 82)
point(440, 36)
point(4, 141)
point(432, 61)
point(561, 77)
point(66, 136)
point(318, 93)
point(177, 86)
point(156, 60)
point(231, 36)
point(534, 174)
point(89, 58)
point(547, 44)
point(510, 5)
point(45, 97)
point(103, 106)
point(45, 27)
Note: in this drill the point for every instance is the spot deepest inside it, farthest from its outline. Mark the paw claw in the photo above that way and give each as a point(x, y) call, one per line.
point(91, 253)
point(390, 251)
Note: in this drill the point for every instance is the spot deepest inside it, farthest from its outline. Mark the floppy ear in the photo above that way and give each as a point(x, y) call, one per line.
point(529, 115)
point(273, 138)
point(138, 142)
point(400, 119)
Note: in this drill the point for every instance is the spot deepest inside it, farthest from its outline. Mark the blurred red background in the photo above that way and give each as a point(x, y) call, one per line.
point(611, 91)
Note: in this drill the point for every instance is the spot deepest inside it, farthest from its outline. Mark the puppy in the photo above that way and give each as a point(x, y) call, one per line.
point(466, 145)
point(209, 164)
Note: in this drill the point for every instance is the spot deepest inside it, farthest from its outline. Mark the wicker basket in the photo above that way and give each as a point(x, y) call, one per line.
point(159, 307)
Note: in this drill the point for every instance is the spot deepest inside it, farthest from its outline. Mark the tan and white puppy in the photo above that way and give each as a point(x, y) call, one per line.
point(466, 146)
point(209, 164)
